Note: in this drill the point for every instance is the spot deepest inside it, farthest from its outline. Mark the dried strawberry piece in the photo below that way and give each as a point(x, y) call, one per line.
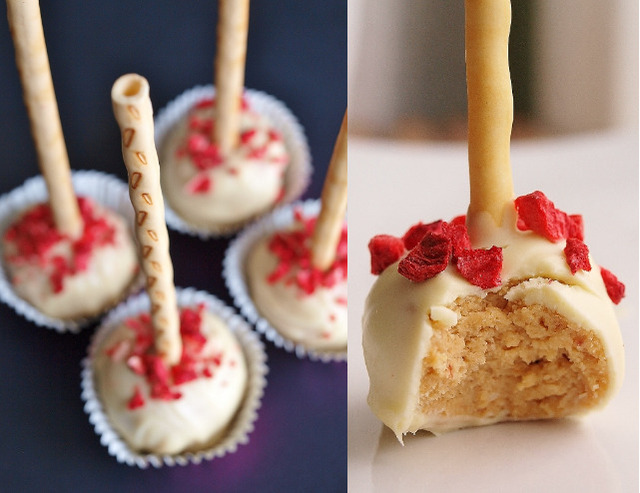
point(462, 219)
point(385, 250)
point(577, 255)
point(183, 373)
point(274, 135)
point(415, 233)
point(538, 214)
point(615, 288)
point(257, 153)
point(197, 143)
point(205, 103)
point(156, 369)
point(459, 236)
point(201, 183)
point(60, 271)
point(481, 267)
point(427, 259)
point(247, 135)
point(163, 392)
point(137, 400)
point(575, 226)
point(293, 251)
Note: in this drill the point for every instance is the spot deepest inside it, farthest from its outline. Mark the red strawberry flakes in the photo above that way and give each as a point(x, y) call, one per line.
point(432, 246)
point(137, 400)
point(293, 251)
point(164, 381)
point(481, 267)
point(204, 154)
point(385, 250)
point(538, 214)
point(201, 183)
point(418, 231)
point(460, 241)
point(577, 254)
point(427, 258)
point(35, 234)
point(615, 289)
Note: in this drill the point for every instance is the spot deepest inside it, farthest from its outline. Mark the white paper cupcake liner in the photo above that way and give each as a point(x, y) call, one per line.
point(241, 426)
point(298, 172)
point(105, 190)
point(233, 271)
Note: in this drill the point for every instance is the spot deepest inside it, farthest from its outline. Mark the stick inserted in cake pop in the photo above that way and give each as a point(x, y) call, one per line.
point(233, 25)
point(490, 107)
point(134, 114)
point(327, 230)
point(32, 60)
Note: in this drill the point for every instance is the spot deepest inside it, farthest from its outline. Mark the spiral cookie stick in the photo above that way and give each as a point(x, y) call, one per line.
point(490, 104)
point(327, 231)
point(133, 112)
point(233, 25)
point(40, 99)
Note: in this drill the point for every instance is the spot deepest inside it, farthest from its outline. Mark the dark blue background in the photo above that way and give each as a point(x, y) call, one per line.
point(297, 53)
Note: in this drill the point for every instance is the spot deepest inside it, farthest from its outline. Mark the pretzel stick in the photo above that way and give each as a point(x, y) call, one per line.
point(490, 105)
point(233, 25)
point(326, 234)
point(32, 60)
point(133, 112)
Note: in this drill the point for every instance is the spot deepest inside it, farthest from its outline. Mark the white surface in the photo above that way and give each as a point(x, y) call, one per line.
point(391, 187)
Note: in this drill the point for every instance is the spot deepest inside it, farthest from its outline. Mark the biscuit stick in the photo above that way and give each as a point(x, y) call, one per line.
point(133, 112)
point(326, 234)
point(490, 108)
point(233, 25)
point(32, 60)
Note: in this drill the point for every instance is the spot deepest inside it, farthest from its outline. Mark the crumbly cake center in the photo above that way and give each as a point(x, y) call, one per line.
point(513, 361)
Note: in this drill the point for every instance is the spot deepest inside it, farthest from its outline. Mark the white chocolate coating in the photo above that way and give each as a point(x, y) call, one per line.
point(397, 318)
point(317, 320)
point(111, 270)
point(194, 421)
point(241, 187)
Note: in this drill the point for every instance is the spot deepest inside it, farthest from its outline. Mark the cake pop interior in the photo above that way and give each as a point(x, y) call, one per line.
point(507, 360)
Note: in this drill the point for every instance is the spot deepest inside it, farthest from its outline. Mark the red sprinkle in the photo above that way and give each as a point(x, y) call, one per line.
point(432, 246)
point(142, 359)
point(246, 136)
point(418, 231)
point(481, 267)
point(137, 400)
point(35, 234)
point(428, 258)
point(201, 183)
point(538, 214)
point(577, 255)
point(293, 251)
point(615, 288)
point(385, 250)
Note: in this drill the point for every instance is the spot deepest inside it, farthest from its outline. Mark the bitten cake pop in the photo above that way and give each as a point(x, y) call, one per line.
point(501, 315)
point(69, 257)
point(172, 379)
point(224, 163)
point(297, 277)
